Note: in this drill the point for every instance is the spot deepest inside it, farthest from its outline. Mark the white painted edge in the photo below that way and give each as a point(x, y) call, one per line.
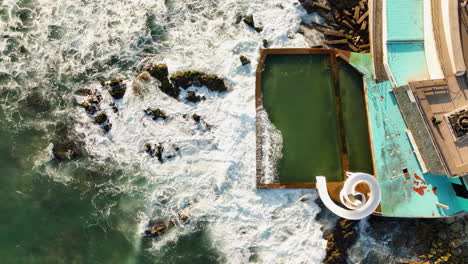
point(384, 44)
point(430, 50)
point(416, 151)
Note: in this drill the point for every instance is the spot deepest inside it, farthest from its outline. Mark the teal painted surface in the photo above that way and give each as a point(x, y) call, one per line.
point(393, 152)
point(405, 20)
point(407, 62)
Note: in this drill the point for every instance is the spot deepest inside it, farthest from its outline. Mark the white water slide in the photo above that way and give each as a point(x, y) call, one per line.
point(358, 205)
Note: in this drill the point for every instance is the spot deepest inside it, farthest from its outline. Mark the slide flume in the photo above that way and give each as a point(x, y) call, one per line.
point(358, 208)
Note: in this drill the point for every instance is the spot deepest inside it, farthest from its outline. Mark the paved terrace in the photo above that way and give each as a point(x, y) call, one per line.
point(438, 98)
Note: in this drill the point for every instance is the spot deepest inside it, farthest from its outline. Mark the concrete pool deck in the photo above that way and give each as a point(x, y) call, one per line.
point(401, 197)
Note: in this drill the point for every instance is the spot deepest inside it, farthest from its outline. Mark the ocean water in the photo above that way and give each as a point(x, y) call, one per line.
point(94, 209)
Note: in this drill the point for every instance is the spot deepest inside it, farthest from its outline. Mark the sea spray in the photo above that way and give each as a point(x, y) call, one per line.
point(271, 147)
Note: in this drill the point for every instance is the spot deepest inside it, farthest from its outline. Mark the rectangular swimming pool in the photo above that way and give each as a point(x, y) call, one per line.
point(318, 104)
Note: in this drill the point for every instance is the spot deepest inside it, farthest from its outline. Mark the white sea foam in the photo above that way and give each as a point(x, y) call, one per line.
point(213, 178)
point(272, 148)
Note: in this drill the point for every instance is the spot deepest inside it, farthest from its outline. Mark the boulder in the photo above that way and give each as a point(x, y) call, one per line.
point(196, 118)
point(244, 60)
point(100, 118)
point(90, 108)
point(158, 71)
point(249, 21)
point(117, 88)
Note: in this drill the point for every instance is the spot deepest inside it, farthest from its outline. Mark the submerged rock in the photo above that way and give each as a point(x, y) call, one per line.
point(156, 113)
point(197, 78)
point(244, 60)
point(194, 98)
point(66, 145)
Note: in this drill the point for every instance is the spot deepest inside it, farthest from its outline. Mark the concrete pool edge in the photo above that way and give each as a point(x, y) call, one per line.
point(335, 56)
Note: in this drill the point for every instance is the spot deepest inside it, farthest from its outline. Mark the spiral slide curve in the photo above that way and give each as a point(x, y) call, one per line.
point(357, 208)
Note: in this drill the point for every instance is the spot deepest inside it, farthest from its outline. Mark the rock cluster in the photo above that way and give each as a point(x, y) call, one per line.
point(156, 228)
point(92, 107)
point(117, 88)
point(156, 113)
point(339, 241)
point(170, 84)
point(431, 240)
point(194, 98)
point(197, 78)
point(202, 124)
point(347, 23)
point(162, 151)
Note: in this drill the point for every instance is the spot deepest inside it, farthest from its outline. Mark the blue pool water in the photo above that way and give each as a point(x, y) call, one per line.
point(407, 61)
point(405, 20)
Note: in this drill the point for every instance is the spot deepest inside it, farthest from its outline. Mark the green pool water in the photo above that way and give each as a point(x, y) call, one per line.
point(302, 102)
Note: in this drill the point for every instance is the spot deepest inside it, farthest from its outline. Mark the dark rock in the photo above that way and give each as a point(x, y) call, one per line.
point(265, 43)
point(213, 82)
point(339, 241)
point(161, 72)
point(159, 151)
point(117, 88)
point(244, 60)
point(101, 118)
point(158, 71)
point(186, 79)
point(156, 231)
point(250, 22)
point(90, 108)
point(107, 127)
point(194, 98)
point(114, 107)
point(197, 78)
point(196, 117)
point(156, 113)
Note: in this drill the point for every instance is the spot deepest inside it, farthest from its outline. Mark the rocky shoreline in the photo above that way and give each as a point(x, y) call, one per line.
point(409, 240)
point(345, 26)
